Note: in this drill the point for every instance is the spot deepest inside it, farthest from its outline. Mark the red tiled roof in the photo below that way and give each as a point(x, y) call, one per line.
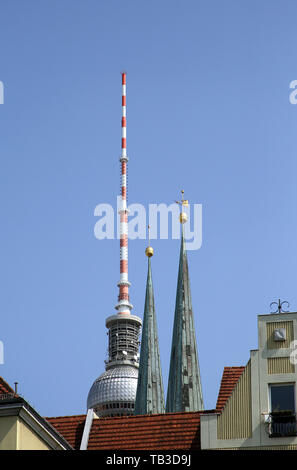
point(170, 431)
point(162, 431)
point(70, 427)
point(4, 387)
point(167, 431)
point(230, 378)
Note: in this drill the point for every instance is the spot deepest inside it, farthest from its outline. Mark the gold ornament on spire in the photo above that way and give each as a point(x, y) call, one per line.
point(149, 251)
point(184, 202)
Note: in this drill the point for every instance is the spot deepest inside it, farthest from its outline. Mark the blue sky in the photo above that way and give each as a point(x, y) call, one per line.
point(208, 111)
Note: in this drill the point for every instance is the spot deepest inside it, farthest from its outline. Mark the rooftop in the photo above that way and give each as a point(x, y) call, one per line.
point(142, 432)
point(229, 380)
point(4, 387)
point(169, 431)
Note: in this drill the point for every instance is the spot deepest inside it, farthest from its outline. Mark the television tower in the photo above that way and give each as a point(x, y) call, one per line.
point(113, 393)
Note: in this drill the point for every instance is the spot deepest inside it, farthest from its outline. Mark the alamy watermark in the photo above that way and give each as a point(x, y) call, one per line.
point(1, 352)
point(1, 93)
point(293, 354)
point(157, 216)
point(293, 94)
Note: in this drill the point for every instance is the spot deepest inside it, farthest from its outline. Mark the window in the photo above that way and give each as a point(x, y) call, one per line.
point(282, 397)
point(282, 410)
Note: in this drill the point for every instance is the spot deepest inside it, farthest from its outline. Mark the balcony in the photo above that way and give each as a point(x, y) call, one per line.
point(282, 424)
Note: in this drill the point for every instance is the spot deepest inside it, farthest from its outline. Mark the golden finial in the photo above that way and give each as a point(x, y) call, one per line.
point(149, 250)
point(184, 202)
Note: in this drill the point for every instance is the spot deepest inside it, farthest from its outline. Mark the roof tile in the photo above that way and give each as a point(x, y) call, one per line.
point(70, 427)
point(230, 378)
point(4, 387)
point(142, 432)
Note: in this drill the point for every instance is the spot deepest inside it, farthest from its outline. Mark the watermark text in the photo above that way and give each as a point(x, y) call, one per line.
point(293, 94)
point(293, 354)
point(163, 220)
point(1, 93)
point(1, 352)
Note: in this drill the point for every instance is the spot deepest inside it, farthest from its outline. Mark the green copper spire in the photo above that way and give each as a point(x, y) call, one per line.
point(149, 395)
point(184, 391)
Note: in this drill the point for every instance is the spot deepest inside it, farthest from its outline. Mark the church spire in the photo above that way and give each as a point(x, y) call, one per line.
point(149, 395)
point(184, 391)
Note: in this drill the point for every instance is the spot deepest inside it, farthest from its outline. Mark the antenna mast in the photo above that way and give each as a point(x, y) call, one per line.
point(123, 305)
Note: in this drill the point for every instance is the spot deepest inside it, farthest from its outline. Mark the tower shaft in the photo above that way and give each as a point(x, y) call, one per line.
point(123, 306)
point(124, 328)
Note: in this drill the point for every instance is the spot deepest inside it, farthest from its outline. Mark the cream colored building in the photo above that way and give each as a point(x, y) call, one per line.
point(22, 428)
point(261, 411)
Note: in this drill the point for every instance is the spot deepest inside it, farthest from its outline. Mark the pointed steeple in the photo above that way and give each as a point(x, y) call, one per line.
point(149, 395)
point(184, 391)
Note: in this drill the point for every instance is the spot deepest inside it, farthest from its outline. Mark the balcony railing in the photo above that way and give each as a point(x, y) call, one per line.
point(282, 424)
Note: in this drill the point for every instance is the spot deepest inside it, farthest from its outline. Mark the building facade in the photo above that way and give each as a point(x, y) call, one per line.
point(261, 410)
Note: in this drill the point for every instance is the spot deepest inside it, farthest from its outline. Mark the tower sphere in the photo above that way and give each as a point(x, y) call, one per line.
point(183, 217)
point(114, 391)
point(149, 251)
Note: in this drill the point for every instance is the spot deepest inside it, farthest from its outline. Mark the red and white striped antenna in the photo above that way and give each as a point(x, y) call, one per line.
point(123, 306)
